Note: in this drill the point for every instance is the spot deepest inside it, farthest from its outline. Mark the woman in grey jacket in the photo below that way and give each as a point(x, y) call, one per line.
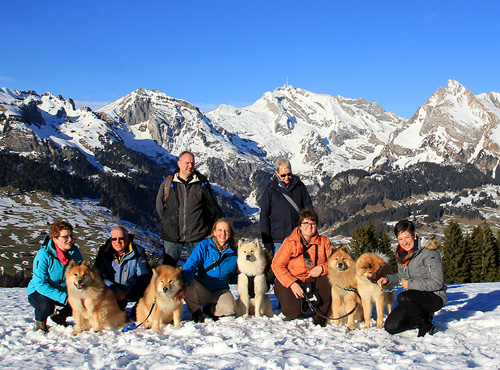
point(420, 273)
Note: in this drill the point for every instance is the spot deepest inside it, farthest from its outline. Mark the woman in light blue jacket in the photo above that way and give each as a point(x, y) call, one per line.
point(209, 270)
point(47, 288)
point(420, 272)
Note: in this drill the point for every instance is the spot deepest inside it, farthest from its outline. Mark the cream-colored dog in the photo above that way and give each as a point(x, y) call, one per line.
point(252, 285)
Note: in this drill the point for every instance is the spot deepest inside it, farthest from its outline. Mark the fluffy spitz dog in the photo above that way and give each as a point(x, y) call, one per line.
point(163, 287)
point(369, 268)
point(342, 276)
point(252, 285)
point(94, 304)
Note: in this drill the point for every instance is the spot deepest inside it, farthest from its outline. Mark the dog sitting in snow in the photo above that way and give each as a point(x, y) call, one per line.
point(94, 304)
point(252, 284)
point(158, 306)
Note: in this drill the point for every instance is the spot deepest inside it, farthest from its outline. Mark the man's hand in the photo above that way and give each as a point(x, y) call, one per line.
point(120, 295)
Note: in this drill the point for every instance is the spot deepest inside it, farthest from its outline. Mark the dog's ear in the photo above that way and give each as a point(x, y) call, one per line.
point(346, 248)
point(256, 242)
point(72, 263)
point(155, 273)
point(87, 263)
point(179, 269)
point(240, 243)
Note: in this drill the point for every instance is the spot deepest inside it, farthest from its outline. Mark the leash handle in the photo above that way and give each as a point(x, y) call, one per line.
point(133, 326)
point(396, 287)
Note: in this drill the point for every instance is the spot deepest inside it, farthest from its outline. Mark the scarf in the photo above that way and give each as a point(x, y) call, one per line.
point(221, 248)
point(62, 256)
point(403, 256)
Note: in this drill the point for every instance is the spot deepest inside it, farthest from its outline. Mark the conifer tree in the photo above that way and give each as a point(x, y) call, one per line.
point(490, 254)
point(484, 266)
point(384, 246)
point(364, 239)
point(456, 259)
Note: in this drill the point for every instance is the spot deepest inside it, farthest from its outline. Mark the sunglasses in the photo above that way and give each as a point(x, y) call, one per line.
point(286, 175)
point(66, 237)
point(121, 238)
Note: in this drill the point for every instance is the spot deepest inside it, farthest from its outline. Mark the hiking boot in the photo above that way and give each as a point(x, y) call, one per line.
point(198, 316)
point(319, 321)
point(208, 309)
point(41, 325)
point(59, 319)
point(425, 327)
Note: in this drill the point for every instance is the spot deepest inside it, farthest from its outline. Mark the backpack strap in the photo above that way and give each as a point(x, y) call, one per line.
point(167, 184)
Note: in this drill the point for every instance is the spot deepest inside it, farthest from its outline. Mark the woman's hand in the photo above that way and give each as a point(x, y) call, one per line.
point(404, 284)
point(382, 281)
point(297, 290)
point(315, 272)
point(181, 294)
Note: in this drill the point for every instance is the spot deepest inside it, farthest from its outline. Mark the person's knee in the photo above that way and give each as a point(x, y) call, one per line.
point(291, 312)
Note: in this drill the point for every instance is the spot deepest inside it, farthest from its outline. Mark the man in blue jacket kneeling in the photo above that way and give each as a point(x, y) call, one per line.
point(124, 267)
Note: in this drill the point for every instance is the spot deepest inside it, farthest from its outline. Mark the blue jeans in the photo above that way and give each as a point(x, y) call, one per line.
point(173, 251)
point(44, 306)
point(276, 247)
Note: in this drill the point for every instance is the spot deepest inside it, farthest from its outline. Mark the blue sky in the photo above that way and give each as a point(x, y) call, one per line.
point(395, 53)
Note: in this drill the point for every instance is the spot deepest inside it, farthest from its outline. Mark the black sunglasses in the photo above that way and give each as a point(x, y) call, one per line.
point(121, 238)
point(286, 175)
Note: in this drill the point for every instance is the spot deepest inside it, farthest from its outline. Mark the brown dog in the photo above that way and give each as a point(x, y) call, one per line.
point(157, 306)
point(342, 276)
point(94, 304)
point(369, 268)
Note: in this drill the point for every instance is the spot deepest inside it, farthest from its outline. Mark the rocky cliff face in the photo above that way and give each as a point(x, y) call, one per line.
point(322, 135)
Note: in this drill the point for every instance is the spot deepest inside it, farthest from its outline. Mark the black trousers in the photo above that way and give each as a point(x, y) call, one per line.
point(412, 305)
point(292, 307)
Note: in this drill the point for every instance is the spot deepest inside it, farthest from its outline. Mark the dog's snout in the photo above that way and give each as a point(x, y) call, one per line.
point(79, 282)
point(165, 289)
point(248, 257)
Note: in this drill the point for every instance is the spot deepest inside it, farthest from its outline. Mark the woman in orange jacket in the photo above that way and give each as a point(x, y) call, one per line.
point(303, 259)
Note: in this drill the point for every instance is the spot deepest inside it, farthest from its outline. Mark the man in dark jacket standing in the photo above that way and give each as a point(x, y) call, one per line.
point(124, 267)
point(281, 203)
point(187, 208)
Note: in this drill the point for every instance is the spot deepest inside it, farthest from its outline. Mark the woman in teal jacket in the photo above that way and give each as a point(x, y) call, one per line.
point(209, 270)
point(47, 288)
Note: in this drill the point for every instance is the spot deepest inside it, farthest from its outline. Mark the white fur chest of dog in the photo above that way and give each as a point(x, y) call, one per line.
point(252, 284)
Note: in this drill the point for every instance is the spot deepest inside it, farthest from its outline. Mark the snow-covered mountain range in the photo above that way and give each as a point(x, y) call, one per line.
point(322, 135)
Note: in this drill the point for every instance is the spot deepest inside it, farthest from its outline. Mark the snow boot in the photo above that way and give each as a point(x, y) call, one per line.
point(198, 316)
point(209, 311)
point(42, 325)
point(425, 327)
point(59, 319)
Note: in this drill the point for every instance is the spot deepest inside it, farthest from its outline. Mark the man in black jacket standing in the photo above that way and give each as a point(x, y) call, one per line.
point(187, 208)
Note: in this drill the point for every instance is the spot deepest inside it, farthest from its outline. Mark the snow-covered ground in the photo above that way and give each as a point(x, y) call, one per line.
point(467, 336)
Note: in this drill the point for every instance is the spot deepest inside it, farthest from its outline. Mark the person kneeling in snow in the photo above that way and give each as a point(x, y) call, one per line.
point(420, 271)
point(47, 288)
point(124, 268)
